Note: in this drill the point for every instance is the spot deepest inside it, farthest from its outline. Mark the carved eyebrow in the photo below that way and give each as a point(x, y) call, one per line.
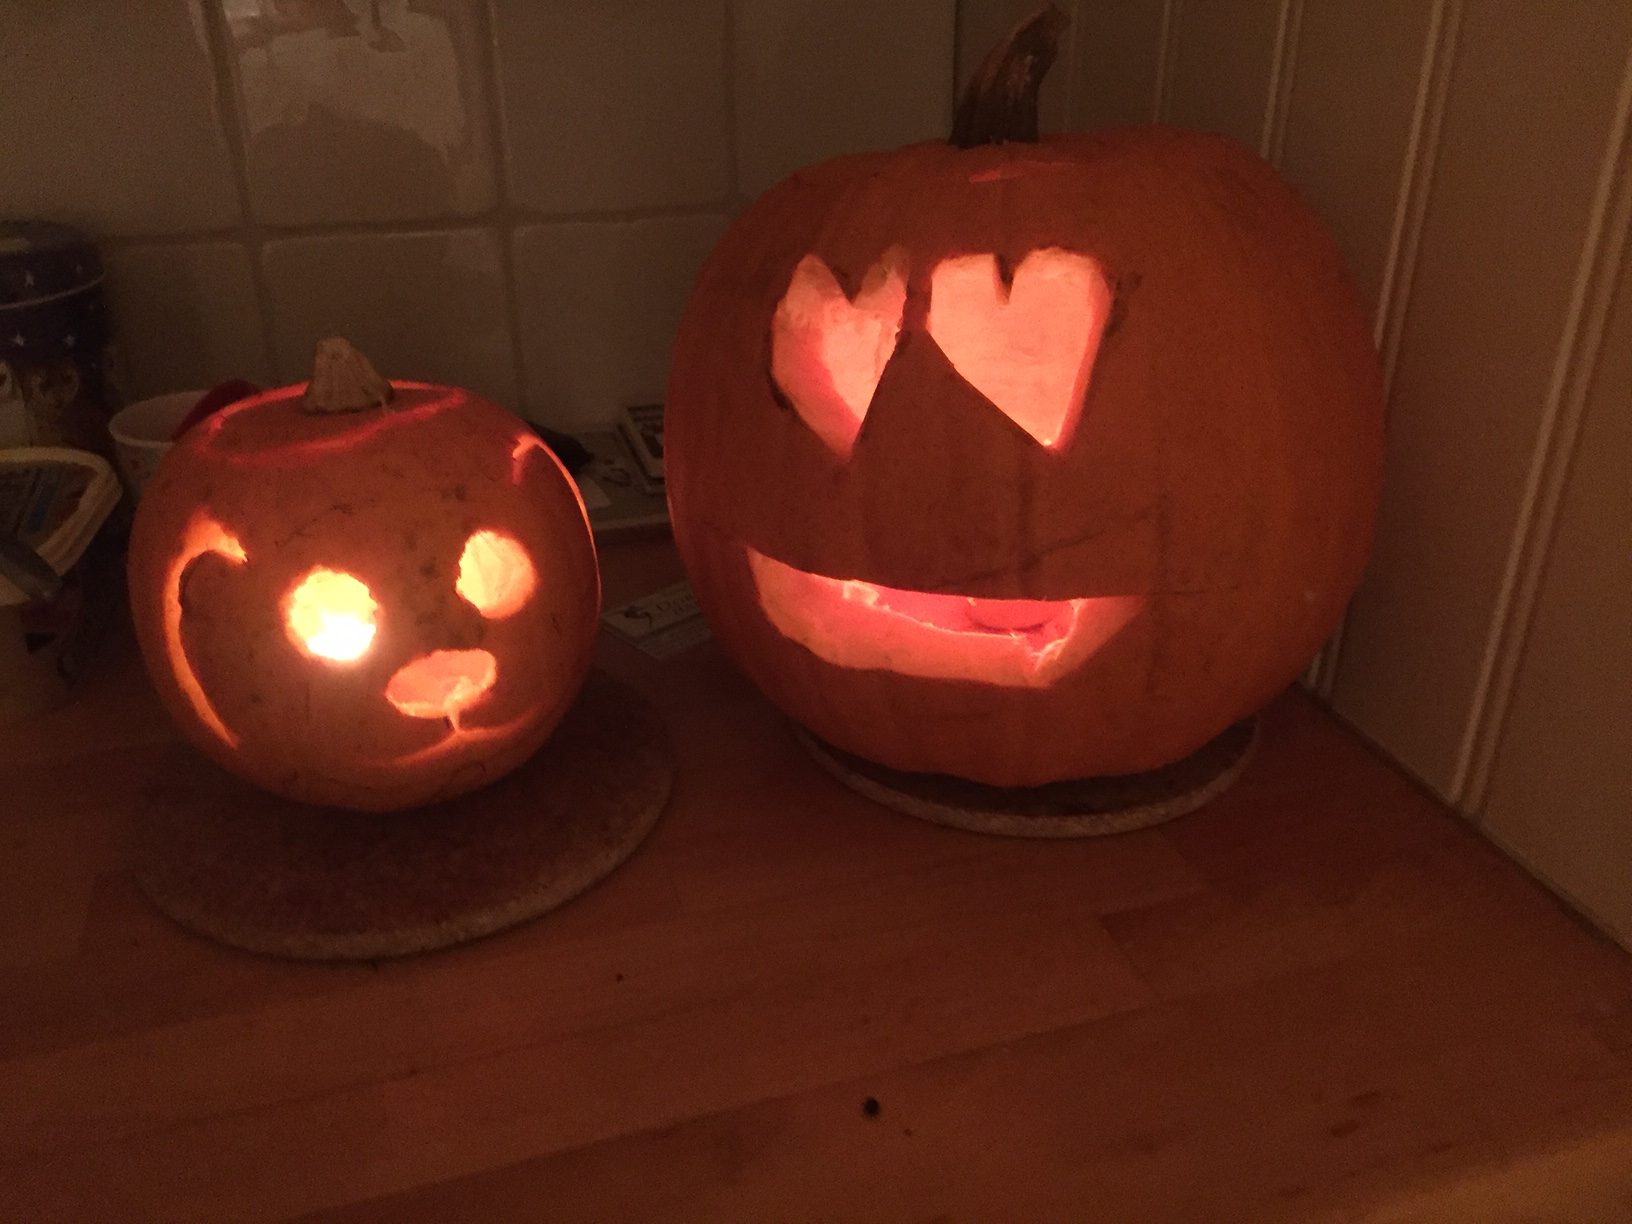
point(203, 536)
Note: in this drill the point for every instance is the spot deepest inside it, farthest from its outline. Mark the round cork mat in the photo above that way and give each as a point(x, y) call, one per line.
point(1080, 807)
point(258, 872)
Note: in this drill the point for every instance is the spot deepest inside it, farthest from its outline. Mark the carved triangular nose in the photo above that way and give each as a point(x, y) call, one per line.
point(936, 469)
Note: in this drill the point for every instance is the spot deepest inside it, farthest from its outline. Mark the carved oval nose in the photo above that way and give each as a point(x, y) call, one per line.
point(443, 683)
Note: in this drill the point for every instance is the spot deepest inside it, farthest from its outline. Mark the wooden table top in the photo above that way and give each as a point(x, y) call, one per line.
point(1320, 998)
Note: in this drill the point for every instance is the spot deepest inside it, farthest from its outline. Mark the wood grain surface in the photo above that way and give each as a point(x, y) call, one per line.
point(1319, 998)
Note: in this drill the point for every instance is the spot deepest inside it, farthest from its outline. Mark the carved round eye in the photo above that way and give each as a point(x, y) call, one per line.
point(331, 615)
point(495, 574)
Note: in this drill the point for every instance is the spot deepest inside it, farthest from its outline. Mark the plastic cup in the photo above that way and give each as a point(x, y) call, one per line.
point(141, 435)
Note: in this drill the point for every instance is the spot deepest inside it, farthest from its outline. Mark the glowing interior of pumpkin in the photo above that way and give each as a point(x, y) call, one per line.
point(442, 684)
point(1023, 643)
point(331, 615)
point(495, 574)
point(1028, 346)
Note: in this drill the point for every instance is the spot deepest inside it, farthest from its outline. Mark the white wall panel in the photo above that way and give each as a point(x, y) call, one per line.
point(1356, 95)
point(1532, 103)
point(1561, 789)
point(1474, 162)
point(1220, 65)
point(1359, 133)
point(1116, 55)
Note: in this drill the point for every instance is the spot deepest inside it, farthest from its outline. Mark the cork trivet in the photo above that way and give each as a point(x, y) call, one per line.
point(1081, 807)
point(259, 872)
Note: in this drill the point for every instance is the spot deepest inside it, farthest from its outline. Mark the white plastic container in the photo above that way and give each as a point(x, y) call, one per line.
point(142, 435)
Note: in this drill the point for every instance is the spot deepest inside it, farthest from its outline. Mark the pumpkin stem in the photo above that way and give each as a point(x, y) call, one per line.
point(343, 380)
point(1000, 102)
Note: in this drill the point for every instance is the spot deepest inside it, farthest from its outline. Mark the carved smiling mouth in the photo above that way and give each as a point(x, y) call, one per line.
point(459, 736)
point(1017, 643)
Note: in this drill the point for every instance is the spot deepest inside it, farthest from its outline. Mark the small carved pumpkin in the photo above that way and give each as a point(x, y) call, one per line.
point(361, 593)
point(1019, 459)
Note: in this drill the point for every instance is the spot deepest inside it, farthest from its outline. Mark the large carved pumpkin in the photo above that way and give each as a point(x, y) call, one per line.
point(365, 594)
point(1021, 459)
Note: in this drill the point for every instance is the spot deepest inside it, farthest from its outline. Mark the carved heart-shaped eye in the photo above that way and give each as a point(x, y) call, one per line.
point(1028, 346)
point(828, 352)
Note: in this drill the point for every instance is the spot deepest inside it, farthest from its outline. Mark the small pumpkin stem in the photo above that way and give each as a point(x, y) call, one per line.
point(1000, 102)
point(343, 380)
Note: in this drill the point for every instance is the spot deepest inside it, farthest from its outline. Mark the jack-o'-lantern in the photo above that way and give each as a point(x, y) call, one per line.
point(1025, 459)
point(363, 593)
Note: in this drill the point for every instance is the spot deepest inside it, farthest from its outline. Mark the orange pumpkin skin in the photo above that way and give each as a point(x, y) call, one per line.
point(1222, 479)
point(263, 495)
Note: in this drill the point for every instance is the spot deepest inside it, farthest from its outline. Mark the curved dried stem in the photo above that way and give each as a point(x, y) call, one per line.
point(1000, 102)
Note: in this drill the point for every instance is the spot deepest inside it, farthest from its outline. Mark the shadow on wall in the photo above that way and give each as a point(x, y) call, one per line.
point(394, 162)
point(426, 307)
point(361, 111)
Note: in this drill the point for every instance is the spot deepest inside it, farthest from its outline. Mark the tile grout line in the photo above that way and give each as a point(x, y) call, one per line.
point(1321, 675)
point(1418, 169)
point(1575, 365)
point(502, 223)
point(1166, 41)
point(248, 234)
point(485, 220)
point(507, 218)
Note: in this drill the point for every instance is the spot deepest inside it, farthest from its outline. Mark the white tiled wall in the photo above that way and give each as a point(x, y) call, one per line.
point(430, 301)
point(108, 117)
point(653, 76)
point(604, 290)
point(513, 195)
point(190, 311)
point(819, 77)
